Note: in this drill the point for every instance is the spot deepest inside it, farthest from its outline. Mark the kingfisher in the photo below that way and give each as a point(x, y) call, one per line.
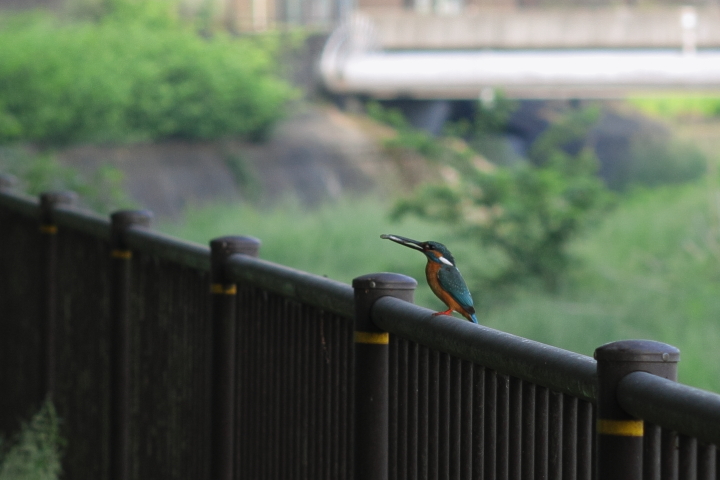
point(443, 276)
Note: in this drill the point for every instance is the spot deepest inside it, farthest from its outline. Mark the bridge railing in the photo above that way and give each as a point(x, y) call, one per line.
point(167, 359)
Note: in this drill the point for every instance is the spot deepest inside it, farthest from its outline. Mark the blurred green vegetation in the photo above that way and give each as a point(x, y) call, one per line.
point(678, 105)
point(133, 72)
point(526, 213)
point(649, 269)
point(35, 452)
point(101, 190)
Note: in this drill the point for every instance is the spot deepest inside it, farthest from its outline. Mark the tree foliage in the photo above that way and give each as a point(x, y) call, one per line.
point(528, 212)
point(135, 74)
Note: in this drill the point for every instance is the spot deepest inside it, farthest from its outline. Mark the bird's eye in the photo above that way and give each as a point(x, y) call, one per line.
point(430, 247)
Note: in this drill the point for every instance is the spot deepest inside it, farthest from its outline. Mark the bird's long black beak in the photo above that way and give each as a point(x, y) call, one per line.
point(408, 242)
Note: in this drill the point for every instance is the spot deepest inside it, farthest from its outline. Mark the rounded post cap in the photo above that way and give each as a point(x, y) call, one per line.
point(384, 281)
point(126, 218)
point(637, 351)
point(8, 181)
point(228, 245)
point(51, 199)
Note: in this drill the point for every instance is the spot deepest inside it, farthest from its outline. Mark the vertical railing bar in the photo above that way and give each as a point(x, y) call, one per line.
point(268, 380)
point(336, 355)
point(478, 419)
point(555, 430)
point(515, 433)
point(527, 461)
point(651, 452)
point(444, 419)
point(326, 395)
point(503, 427)
point(706, 462)
point(279, 430)
point(466, 419)
point(455, 411)
point(569, 438)
point(243, 304)
point(305, 430)
point(346, 406)
point(402, 406)
point(285, 391)
point(687, 458)
point(542, 406)
point(265, 403)
point(393, 412)
point(434, 412)
point(668, 455)
point(423, 412)
point(297, 405)
point(585, 438)
point(490, 424)
point(257, 350)
point(313, 343)
point(412, 430)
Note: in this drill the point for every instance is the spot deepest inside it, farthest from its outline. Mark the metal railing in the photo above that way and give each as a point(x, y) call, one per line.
point(167, 359)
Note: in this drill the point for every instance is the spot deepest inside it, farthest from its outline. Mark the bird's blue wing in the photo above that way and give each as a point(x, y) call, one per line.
point(453, 283)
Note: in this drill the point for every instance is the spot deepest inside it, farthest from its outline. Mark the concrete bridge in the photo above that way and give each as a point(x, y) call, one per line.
point(528, 53)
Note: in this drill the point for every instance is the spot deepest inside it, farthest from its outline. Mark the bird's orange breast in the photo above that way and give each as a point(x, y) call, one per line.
point(431, 272)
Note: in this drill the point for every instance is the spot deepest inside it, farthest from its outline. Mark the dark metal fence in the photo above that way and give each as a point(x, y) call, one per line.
point(167, 359)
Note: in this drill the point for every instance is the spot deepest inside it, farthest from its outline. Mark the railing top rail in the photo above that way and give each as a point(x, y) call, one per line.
point(322, 292)
point(22, 204)
point(82, 221)
point(552, 367)
point(168, 248)
point(671, 405)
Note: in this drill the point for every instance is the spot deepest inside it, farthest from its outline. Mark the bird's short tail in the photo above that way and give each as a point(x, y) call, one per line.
point(474, 318)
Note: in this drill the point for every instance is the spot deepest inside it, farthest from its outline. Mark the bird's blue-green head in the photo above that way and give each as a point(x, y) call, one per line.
point(434, 251)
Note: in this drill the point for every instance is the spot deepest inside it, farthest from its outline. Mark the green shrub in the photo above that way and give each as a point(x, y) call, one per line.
point(36, 451)
point(120, 79)
point(659, 161)
point(100, 190)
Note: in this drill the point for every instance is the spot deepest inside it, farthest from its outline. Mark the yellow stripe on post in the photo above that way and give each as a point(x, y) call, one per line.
point(48, 229)
point(122, 254)
point(621, 428)
point(382, 338)
point(220, 289)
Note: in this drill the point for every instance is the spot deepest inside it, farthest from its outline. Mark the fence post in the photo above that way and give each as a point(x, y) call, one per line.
point(223, 318)
point(371, 373)
point(48, 265)
point(619, 435)
point(120, 280)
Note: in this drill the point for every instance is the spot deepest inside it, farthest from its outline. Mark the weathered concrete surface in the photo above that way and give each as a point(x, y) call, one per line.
point(318, 153)
point(601, 27)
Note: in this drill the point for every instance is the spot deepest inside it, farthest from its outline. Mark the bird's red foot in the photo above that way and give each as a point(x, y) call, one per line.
point(446, 312)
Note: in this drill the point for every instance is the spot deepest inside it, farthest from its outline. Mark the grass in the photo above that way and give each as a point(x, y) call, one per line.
point(650, 270)
point(340, 241)
point(672, 106)
point(34, 454)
